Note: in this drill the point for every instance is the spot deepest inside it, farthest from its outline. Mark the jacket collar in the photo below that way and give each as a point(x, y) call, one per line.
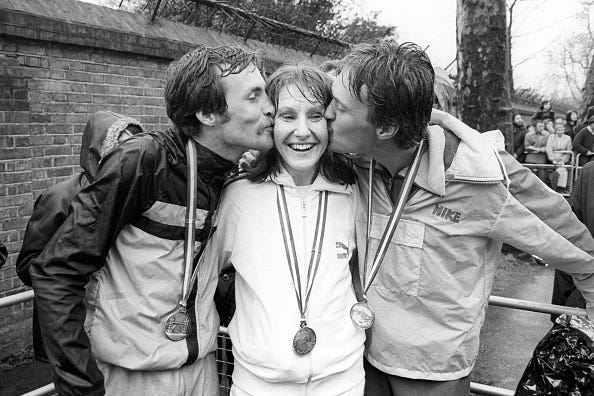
point(476, 159)
point(209, 163)
point(320, 183)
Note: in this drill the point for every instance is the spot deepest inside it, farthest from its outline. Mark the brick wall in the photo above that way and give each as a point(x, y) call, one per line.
point(61, 61)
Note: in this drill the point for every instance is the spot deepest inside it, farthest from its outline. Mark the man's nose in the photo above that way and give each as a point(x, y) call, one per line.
point(268, 109)
point(330, 113)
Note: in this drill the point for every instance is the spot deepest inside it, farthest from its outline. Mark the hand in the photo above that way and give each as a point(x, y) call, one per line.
point(439, 117)
point(248, 160)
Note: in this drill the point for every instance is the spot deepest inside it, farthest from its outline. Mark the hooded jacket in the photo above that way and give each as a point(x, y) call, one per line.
point(51, 207)
point(121, 251)
point(248, 235)
point(431, 293)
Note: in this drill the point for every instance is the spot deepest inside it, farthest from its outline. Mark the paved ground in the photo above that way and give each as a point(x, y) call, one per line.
point(507, 340)
point(509, 336)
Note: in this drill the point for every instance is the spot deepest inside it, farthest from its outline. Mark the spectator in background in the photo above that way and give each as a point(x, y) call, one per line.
point(545, 112)
point(583, 143)
point(517, 140)
point(584, 122)
point(549, 126)
point(582, 203)
point(535, 144)
point(556, 143)
point(103, 132)
point(571, 118)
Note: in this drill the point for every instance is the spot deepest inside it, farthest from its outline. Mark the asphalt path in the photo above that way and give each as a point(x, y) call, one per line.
point(509, 336)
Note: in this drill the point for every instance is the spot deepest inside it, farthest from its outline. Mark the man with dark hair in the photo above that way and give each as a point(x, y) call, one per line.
point(428, 276)
point(583, 143)
point(535, 144)
point(123, 309)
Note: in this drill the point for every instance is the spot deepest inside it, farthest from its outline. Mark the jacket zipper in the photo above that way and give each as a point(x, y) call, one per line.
point(471, 181)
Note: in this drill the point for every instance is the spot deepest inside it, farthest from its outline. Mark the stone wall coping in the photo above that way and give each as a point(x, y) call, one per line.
point(85, 24)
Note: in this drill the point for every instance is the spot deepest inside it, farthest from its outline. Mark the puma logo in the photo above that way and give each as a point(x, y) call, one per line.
point(342, 246)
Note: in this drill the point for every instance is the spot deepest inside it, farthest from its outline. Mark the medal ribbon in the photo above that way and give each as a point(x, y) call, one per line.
point(392, 222)
point(191, 193)
point(316, 250)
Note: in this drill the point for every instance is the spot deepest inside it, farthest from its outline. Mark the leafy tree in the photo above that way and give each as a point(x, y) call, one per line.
point(259, 19)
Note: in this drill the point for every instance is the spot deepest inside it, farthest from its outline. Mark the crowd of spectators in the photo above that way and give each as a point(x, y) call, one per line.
point(547, 139)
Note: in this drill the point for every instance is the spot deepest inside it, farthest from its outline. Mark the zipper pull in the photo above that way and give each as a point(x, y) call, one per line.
point(303, 209)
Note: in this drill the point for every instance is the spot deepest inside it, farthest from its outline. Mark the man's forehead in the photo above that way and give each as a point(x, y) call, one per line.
point(248, 78)
point(344, 89)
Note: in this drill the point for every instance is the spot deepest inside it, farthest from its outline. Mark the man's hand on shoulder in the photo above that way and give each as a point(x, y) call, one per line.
point(439, 117)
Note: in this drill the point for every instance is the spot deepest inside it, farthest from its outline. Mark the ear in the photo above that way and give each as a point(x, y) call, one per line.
point(387, 132)
point(206, 118)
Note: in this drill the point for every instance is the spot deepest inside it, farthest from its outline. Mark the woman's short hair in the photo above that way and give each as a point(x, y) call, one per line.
point(314, 85)
point(194, 83)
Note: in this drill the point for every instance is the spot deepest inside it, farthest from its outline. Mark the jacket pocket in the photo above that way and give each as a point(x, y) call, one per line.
point(401, 267)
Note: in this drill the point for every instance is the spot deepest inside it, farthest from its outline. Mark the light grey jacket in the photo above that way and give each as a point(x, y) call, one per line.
point(432, 290)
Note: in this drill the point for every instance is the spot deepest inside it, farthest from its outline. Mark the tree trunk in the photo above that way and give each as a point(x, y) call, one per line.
point(483, 78)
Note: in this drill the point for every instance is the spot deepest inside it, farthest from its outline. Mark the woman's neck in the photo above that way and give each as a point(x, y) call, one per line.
point(303, 177)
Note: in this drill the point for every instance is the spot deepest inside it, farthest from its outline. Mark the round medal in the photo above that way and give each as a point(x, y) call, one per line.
point(362, 315)
point(178, 326)
point(304, 341)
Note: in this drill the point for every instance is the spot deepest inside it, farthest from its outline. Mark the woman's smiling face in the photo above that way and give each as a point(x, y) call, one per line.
point(300, 133)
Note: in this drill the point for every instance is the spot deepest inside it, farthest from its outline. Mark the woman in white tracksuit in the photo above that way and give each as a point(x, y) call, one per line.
point(288, 228)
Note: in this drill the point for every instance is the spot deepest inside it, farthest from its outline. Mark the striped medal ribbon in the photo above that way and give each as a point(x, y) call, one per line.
point(305, 338)
point(178, 324)
point(362, 313)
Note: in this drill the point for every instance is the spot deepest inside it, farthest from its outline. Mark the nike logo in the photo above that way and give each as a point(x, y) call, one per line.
point(447, 213)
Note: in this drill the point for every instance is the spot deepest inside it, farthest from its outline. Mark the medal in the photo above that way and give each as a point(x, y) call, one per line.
point(362, 314)
point(305, 338)
point(178, 325)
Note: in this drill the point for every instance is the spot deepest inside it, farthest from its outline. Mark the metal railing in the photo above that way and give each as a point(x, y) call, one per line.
point(549, 175)
point(223, 347)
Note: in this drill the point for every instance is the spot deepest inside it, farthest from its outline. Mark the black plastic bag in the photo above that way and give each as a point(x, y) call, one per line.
point(563, 361)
